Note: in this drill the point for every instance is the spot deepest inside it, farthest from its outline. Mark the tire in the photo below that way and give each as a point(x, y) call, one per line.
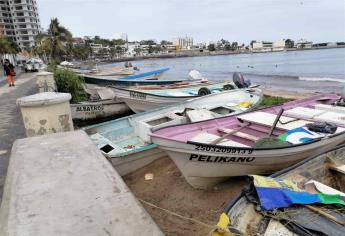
point(228, 87)
point(204, 91)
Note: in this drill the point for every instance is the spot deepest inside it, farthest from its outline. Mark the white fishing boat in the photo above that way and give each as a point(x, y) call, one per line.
point(211, 151)
point(102, 105)
point(144, 98)
point(323, 173)
point(87, 111)
point(126, 141)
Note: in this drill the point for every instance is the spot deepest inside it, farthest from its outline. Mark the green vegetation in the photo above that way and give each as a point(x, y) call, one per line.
point(69, 82)
point(7, 45)
point(273, 101)
point(53, 43)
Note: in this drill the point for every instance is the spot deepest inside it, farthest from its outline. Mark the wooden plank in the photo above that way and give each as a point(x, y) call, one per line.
point(339, 169)
point(208, 138)
point(275, 228)
point(240, 134)
point(267, 119)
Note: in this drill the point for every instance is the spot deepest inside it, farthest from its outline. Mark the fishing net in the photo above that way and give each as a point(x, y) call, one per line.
point(270, 143)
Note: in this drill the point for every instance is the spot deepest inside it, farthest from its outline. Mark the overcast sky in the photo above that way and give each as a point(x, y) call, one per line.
point(204, 20)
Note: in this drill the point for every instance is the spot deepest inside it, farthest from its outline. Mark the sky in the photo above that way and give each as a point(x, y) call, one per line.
point(204, 20)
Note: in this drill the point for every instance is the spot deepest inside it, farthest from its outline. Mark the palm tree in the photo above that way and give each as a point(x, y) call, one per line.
point(54, 43)
point(8, 46)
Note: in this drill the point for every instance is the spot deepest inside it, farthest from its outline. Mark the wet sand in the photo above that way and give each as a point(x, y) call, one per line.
point(169, 190)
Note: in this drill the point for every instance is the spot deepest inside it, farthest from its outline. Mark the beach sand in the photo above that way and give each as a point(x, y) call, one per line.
point(169, 190)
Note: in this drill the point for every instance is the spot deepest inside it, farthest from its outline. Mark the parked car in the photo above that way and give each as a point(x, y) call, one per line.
point(33, 65)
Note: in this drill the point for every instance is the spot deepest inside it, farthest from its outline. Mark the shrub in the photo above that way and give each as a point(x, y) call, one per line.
point(273, 101)
point(69, 82)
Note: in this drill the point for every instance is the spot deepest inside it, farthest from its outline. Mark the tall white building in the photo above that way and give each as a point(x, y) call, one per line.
point(20, 21)
point(185, 43)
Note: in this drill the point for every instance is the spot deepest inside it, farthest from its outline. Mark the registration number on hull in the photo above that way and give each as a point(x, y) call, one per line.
point(137, 95)
point(217, 149)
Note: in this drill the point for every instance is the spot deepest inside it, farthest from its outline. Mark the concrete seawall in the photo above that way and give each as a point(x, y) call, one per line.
point(60, 184)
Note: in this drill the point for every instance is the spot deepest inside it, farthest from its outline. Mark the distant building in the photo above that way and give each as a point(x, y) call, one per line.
point(100, 51)
point(279, 45)
point(302, 43)
point(79, 41)
point(122, 36)
point(262, 46)
point(20, 20)
point(185, 43)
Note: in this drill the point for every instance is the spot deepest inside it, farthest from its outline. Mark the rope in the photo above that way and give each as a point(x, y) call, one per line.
point(177, 215)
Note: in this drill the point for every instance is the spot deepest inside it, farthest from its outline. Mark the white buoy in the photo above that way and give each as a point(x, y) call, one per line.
point(45, 113)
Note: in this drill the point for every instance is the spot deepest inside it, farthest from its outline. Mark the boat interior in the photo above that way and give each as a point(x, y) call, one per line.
point(131, 134)
point(247, 129)
point(323, 174)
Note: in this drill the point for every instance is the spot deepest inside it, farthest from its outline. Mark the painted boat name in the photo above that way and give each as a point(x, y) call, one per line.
point(205, 158)
point(90, 108)
point(137, 95)
point(217, 149)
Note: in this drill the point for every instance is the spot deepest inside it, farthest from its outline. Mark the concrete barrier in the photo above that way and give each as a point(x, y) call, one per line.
point(45, 113)
point(46, 82)
point(61, 185)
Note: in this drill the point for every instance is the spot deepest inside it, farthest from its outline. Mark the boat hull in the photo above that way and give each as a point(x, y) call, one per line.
point(127, 164)
point(150, 102)
point(147, 78)
point(98, 110)
point(203, 166)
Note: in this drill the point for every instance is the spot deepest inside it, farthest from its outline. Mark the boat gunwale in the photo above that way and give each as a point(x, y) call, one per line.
point(135, 77)
point(165, 96)
point(251, 110)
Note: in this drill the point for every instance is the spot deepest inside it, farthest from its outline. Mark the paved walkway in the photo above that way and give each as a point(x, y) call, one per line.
point(11, 123)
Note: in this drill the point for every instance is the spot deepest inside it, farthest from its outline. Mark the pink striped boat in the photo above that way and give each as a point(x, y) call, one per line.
point(211, 151)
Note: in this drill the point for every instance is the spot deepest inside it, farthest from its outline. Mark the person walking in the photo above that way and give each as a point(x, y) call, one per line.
point(10, 72)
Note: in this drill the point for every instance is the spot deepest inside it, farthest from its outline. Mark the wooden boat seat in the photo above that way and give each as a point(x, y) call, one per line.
point(338, 169)
point(208, 138)
point(240, 134)
point(199, 115)
point(267, 119)
point(322, 188)
point(325, 107)
point(322, 115)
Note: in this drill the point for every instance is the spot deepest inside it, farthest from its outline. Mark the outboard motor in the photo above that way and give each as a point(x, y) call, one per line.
point(239, 80)
point(196, 75)
point(341, 101)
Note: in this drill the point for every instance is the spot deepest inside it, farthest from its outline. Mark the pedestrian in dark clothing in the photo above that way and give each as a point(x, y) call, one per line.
point(10, 72)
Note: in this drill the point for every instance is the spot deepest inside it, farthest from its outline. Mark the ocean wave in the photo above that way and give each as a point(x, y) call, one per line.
point(322, 79)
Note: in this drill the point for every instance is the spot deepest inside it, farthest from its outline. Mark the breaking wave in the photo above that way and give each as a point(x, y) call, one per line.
point(322, 79)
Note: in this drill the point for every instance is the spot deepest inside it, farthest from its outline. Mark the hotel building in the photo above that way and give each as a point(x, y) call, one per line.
point(20, 21)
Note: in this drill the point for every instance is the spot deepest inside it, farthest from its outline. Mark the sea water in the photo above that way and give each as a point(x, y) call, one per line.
point(308, 70)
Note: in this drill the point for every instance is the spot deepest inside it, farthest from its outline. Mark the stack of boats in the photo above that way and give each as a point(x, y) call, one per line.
point(214, 131)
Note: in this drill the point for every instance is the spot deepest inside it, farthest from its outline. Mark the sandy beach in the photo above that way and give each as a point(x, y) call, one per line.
point(169, 190)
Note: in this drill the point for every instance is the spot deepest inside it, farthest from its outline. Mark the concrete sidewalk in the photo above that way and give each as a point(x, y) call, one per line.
point(11, 123)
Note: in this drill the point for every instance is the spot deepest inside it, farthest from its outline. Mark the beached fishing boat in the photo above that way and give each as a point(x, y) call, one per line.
point(258, 142)
point(144, 98)
point(145, 78)
point(126, 141)
point(87, 111)
point(322, 174)
point(102, 105)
